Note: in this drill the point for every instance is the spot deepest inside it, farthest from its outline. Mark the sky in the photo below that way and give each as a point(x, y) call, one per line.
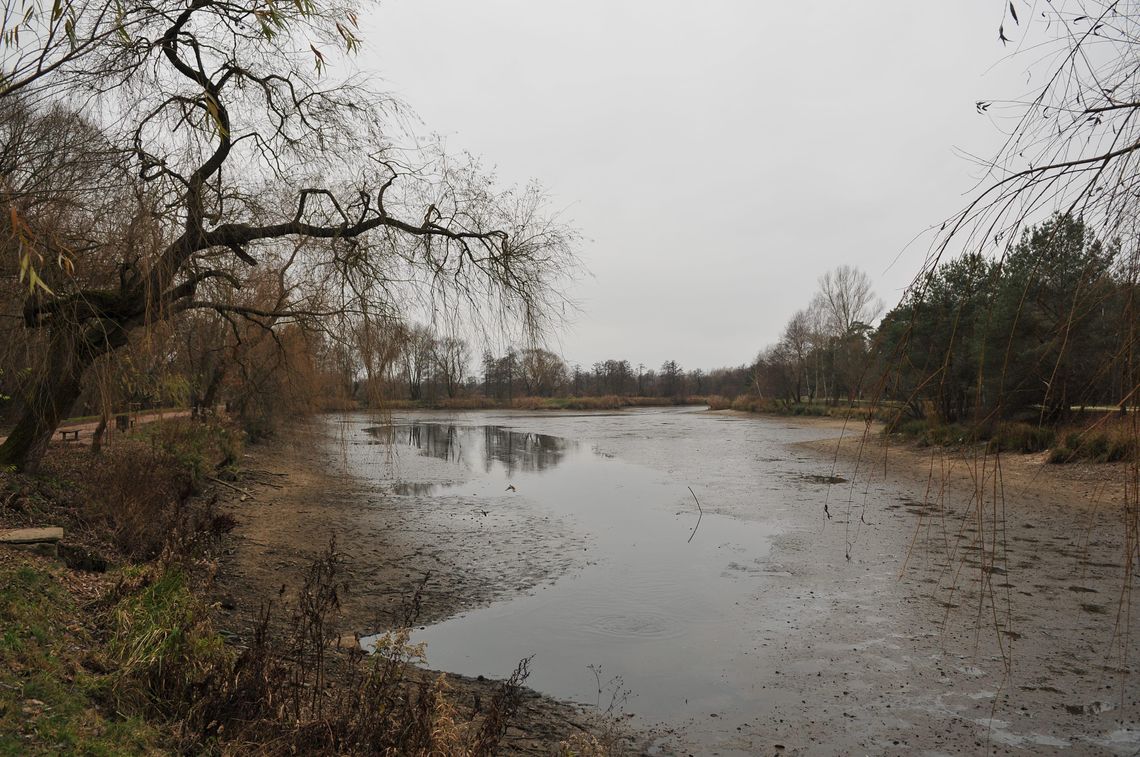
point(717, 157)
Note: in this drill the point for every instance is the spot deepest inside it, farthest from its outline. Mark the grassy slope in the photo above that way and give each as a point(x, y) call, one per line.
point(51, 695)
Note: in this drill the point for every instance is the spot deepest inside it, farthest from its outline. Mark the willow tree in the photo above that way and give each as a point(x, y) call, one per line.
point(233, 143)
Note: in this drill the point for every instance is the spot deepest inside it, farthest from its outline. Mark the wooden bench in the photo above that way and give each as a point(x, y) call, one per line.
point(74, 434)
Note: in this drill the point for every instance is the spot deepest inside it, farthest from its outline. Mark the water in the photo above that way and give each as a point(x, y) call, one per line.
point(811, 609)
point(658, 610)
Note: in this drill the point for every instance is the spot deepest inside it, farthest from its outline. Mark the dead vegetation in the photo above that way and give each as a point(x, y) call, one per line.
point(143, 668)
point(288, 689)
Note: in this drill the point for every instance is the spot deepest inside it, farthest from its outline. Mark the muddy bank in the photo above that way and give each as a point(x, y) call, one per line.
point(298, 498)
point(1021, 572)
point(881, 611)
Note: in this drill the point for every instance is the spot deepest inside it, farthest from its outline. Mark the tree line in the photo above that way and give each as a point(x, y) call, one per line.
point(1042, 332)
point(415, 362)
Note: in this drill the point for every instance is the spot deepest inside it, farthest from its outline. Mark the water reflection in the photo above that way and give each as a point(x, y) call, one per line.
point(479, 448)
point(642, 596)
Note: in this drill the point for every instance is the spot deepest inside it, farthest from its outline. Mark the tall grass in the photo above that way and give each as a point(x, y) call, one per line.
point(1109, 442)
point(287, 691)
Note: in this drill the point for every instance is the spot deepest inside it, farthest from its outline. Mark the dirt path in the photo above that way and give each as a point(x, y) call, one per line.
point(85, 429)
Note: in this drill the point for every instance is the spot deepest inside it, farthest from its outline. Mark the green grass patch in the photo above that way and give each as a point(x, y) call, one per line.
point(48, 697)
point(161, 648)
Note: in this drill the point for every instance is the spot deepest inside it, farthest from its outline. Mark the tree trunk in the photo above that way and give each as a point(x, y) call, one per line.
point(210, 397)
point(48, 403)
point(97, 437)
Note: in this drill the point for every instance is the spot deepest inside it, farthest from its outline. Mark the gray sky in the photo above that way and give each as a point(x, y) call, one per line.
point(717, 157)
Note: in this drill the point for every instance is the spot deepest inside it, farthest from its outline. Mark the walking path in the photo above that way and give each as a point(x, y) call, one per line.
point(85, 429)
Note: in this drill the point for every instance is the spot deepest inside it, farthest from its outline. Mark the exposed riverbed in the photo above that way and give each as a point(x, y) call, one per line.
point(904, 622)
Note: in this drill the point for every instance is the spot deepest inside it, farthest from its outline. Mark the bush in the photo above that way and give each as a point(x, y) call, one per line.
point(912, 427)
point(136, 494)
point(1022, 437)
point(1108, 445)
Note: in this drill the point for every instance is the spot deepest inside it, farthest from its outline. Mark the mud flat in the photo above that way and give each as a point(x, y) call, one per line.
point(303, 498)
point(828, 603)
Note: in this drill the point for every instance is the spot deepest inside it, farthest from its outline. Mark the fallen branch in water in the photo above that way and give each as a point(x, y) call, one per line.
point(702, 514)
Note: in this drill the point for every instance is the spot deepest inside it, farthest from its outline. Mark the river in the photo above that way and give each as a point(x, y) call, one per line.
point(736, 591)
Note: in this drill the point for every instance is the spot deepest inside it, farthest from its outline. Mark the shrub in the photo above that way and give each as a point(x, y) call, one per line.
point(912, 427)
point(1106, 445)
point(1022, 437)
point(136, 494)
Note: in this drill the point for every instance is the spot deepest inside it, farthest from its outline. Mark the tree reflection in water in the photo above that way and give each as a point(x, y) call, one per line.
point(478, 446)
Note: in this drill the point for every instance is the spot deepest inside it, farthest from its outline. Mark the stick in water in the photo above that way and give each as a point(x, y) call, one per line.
point(702, 514)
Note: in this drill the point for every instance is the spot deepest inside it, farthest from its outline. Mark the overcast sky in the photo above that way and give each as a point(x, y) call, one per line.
point(717, 157)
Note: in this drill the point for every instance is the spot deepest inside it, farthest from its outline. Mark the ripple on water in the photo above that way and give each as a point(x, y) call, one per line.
point(633, 625)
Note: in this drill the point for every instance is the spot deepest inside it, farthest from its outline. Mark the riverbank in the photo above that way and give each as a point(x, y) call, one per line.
point(849, 582)
point(151, 629)
point(297, 498)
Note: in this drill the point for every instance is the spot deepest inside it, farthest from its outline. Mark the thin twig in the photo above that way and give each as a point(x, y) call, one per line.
point(231, 486)
point(702, 514)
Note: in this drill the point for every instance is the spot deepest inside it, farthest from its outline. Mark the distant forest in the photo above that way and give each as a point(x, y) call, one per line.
point(1030, 336)
point(1033, 335)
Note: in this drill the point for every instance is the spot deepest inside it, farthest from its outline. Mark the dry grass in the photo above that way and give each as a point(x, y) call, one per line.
point(288, 690)
point(279, 696)
point(1109, 439)
point(137, 493)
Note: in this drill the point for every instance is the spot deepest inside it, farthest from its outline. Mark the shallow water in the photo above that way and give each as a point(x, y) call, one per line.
point(799, 613)
point(657, 613)
point(646, 597)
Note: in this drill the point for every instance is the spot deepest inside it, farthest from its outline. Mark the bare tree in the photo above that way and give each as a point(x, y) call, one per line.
point(452, 355)
point(847, 298)
point(796, 345)
point(225, 116)
point(542, 372)
point(418, 358)
point(380, 341)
